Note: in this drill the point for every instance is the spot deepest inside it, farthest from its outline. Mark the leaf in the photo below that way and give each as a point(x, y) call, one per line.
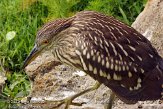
point(10, 35)
point(124, 15)
point(14, 84)
point(20, 94)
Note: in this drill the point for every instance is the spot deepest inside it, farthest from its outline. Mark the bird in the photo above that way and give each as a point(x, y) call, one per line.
point(108, 50)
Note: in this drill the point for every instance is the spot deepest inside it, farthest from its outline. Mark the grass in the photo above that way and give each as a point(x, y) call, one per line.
point(124, 10)
point(24, 17)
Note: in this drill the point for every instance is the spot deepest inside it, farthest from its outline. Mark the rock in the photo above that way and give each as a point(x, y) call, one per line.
point(2, 81)
point(53, 81)
point(150, 23)
point(2, 78)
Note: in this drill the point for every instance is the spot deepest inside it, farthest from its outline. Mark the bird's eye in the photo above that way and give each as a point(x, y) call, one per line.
point(45, 42)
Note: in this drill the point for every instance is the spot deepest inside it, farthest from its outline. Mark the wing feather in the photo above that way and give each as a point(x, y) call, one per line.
point(119, 56)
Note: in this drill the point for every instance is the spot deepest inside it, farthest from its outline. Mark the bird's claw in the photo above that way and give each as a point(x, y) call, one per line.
point(67, 102)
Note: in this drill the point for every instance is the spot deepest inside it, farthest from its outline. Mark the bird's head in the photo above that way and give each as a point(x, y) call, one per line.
point(46, 37)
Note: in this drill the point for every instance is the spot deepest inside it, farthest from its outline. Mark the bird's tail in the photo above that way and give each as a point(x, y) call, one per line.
point(161, 69)
point(161, 65)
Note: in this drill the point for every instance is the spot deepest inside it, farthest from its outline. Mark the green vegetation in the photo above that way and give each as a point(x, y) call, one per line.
point(20, 20)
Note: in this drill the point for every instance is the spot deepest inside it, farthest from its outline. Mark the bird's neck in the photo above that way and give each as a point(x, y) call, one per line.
point(64, 51)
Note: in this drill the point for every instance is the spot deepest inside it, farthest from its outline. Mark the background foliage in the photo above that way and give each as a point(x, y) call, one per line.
point(24, 17)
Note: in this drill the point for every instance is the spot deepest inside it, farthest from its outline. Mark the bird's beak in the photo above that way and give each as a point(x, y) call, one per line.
point(33, 54)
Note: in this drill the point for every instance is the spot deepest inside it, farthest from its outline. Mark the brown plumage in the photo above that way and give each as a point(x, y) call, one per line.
point(108, 50)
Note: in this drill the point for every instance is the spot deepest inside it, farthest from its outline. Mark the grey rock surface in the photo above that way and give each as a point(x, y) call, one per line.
point(53, 81)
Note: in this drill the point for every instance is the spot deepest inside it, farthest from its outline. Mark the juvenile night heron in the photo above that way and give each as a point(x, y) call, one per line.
point(111, 52)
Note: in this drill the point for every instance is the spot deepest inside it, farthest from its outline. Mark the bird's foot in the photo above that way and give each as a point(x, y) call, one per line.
point(111, 101)
point(69, 101)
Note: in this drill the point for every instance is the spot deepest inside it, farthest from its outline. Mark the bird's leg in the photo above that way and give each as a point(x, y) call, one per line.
point(68, 101)
point(111, 101)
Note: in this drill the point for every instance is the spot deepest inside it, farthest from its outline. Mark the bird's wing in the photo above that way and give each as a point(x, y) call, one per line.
point(116, 55)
